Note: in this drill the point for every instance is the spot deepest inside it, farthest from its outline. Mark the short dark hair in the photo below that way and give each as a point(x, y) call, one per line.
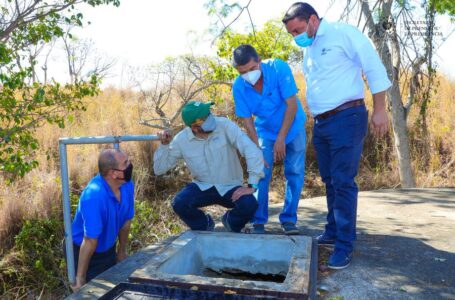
point(301, 10)
point(243, 54)
point(107, 161)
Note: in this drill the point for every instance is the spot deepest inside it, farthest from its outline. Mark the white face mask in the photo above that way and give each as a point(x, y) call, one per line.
point(252, 77)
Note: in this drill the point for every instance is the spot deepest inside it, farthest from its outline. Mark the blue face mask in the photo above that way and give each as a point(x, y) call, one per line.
point(303, 40)
point(209, 124)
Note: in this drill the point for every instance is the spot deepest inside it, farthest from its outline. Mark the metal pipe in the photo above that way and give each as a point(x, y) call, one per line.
point(67, 213)
point(65, 183)
point(107, 139)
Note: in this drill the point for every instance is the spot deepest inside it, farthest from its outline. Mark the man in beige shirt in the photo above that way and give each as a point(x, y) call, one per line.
point(209, 146)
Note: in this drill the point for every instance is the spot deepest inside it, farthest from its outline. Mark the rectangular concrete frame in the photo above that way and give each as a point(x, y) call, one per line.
point(182, 262)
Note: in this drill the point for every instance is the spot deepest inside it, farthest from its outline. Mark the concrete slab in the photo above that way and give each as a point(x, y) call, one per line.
point(106, 281)
point(200, 259)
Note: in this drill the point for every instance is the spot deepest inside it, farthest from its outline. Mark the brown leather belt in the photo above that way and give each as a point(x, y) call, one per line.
point(337, 109)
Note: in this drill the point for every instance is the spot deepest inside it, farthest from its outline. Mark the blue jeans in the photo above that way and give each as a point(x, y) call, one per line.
point(339, 142)
point(294, 171)
point(187, 202)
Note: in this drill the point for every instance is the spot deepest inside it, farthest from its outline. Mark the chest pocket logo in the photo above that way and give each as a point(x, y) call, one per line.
point(324, 51)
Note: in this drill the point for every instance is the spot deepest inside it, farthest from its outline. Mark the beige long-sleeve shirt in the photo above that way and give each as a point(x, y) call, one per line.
point(213, 161)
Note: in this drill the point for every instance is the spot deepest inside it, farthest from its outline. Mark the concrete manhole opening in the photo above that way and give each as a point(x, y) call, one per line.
point(269, 265)
point(242, 275)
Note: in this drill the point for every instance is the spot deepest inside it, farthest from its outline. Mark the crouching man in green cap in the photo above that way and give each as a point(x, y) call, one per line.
point(209, 146)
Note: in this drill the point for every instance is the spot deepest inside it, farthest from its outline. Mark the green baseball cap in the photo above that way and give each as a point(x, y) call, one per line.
point(194, 110)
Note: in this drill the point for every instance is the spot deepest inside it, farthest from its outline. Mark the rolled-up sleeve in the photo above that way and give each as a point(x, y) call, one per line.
point(362, 52)
point(166, 157)
point(249, 150)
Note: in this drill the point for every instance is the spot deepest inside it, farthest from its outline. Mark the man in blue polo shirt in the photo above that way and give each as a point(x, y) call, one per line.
point(103, 216)
point(266, 90)
point(335, 56)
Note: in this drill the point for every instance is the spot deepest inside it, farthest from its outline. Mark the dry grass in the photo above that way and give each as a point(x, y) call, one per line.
point(116, 112)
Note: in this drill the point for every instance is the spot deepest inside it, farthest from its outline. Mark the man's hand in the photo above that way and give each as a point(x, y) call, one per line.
point(279, 149)
point(380, 123)
point(78, 284)
point(241, 191)
point(165, 137)
point(121, 256)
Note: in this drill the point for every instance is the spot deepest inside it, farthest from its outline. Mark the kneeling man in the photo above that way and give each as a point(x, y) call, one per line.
point(209, 146)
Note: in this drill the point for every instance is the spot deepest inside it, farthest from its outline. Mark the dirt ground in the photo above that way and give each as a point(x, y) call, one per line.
point(405, 245)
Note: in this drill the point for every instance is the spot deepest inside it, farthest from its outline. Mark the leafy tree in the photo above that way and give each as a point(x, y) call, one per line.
point(26, 104)
point(272, 41)
point(444, 6)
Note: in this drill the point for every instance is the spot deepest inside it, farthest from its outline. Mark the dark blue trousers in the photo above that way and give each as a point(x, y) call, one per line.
point(338, 140)
point(99, 262)
point(187, 202)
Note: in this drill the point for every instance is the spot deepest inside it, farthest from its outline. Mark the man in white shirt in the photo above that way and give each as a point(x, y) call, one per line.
point(335, 56)
point(209, 146)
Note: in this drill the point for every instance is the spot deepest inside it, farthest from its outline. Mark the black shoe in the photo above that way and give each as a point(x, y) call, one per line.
point(258, 229)
point(290, 228)
point(225, 222)
point(210, 223)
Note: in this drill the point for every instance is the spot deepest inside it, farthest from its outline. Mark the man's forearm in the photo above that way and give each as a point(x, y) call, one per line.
point(123, 237)
point(250, 130)
point(289, 116)
point(379, 103)
point(86, 251)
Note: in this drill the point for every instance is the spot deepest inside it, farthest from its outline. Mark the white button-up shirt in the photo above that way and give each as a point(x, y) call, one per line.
point(333, 67)
point(213, 161)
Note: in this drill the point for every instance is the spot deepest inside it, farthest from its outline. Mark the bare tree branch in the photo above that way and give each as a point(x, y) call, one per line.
point(30, 12)
point(233, 21)
point(167, 87)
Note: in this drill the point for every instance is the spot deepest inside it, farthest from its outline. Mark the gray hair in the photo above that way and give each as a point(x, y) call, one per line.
point(107, 160)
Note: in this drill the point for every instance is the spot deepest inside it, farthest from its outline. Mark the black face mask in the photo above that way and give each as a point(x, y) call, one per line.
point(127, 173)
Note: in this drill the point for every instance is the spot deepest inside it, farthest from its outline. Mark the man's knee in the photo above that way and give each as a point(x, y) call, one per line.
point(248, 204)
point(179, 205)
point(343, 181)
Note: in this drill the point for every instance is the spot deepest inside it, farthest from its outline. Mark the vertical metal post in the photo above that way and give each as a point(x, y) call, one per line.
point(67, 213)
point(117, 142)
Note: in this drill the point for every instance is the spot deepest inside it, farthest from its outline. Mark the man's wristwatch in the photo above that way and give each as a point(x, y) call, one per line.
point(253, 186)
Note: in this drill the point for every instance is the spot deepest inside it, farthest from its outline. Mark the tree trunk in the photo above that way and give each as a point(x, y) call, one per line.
point(400, 133)
point(392, 63)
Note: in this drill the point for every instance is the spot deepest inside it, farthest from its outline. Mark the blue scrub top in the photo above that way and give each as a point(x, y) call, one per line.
point(100, 215)
point(270, 106)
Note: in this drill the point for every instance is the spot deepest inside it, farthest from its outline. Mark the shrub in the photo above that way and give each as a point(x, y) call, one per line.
point(36, 262)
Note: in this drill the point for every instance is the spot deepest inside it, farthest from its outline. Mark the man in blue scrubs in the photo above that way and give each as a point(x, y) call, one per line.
point(335, 57)
point(266, 91)
point(103, 216)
